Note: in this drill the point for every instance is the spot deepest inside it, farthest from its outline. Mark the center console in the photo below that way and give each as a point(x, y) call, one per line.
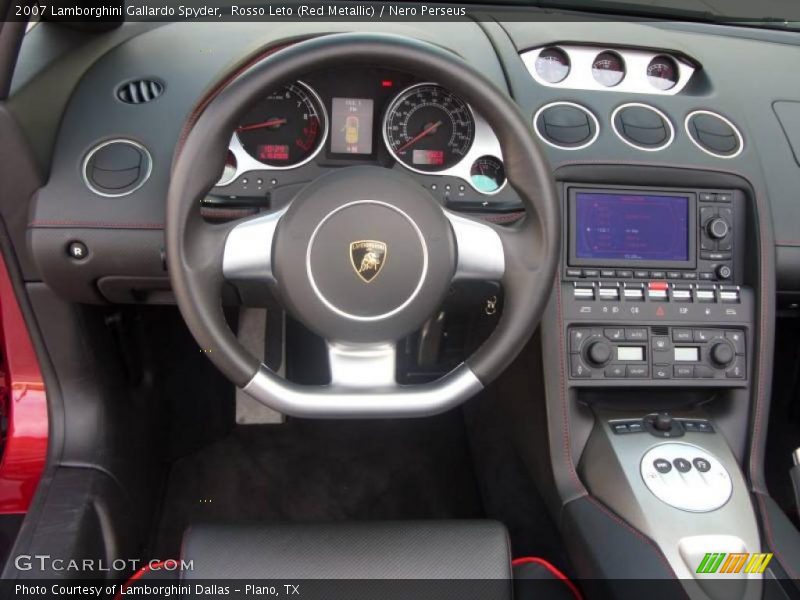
point(658, 326)
point(652, 290)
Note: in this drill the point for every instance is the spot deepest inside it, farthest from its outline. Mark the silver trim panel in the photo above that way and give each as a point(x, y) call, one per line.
point(485, 143)
point(246, 163)
point(480, 250)
point(102, 145)
point(719, 116)
point(334, 401)
point(247, 255)
point(660, 113)
point(574, 105)
point(580, 76)
point(362, 365)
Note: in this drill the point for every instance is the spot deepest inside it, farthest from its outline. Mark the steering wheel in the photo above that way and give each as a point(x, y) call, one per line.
point(305, 253)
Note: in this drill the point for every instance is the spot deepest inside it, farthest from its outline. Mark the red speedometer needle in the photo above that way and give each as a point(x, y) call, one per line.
point(262, 125)
point(429, 129)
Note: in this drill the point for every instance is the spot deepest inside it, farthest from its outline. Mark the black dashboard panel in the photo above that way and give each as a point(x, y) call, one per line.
point(65, 210)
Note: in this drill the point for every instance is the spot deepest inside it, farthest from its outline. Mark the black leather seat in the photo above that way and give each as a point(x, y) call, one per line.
point(421, 559)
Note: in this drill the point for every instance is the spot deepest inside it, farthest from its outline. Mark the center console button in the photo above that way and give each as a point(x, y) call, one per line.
point(683, 371)
point(658, 274)
point(624, 274)
point(662, 466)
point(591, 273)
point(682, 335)
point(638, 334)
point(614, 334)
point(701, 464)
point(661, 372)
point(574, 272)
point(705, 335)
point(608, 273)
point(673, 274)
point(637, 371)
point(703, 372)
point(736, 370)
point(577, 337)
point(737, 339)
point(682, 465)
point(579, 370)
point(615, 371)
point(641, 274)
point(660, 343)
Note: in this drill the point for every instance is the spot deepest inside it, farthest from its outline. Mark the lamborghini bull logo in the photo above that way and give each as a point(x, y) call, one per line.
point(367, 258)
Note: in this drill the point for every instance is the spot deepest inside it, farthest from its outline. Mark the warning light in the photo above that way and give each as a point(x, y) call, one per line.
point(387, 83)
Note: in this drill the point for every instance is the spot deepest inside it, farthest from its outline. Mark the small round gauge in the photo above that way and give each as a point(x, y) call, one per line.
point(662, 72)
point(608, 69)
point(487, 174)
point(286, 128)
point(552, 65)
point(428, 129)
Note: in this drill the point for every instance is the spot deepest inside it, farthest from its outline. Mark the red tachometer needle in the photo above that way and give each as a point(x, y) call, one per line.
point(262, 125)
point(416, 138)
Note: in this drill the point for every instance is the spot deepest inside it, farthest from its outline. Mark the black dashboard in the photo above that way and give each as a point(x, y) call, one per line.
point(635, 96)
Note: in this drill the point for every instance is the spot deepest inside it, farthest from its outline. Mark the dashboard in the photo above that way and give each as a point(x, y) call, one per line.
point(627, 97)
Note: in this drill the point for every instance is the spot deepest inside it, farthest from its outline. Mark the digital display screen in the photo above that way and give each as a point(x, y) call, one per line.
point(273, 152)
point(352, 125)
point(630, 353)
point(689, 354)
point(427, 157)
point(633, 227)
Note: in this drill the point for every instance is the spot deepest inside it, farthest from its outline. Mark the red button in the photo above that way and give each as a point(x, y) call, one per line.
point(658, 286)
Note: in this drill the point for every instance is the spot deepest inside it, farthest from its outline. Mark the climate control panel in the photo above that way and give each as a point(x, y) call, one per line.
point(657, 353)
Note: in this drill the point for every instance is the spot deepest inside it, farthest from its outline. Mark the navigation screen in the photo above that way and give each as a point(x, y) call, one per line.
point(352, 126)
point(631, 227)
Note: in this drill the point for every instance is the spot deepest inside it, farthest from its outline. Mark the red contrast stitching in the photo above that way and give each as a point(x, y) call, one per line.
point(525, 560)
point(96, 224)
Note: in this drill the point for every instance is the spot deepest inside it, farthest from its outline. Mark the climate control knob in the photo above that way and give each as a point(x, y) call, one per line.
point(721, 354)
point(598, 353)
point(717, 228)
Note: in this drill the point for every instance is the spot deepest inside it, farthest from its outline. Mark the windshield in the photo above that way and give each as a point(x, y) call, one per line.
point(773, 14)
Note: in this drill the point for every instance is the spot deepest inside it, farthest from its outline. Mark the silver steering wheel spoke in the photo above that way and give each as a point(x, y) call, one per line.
point(362, 366)
point(247, 256)
point(479, 250)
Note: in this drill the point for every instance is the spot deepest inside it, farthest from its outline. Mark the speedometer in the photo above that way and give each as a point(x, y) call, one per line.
point(427, 128)
point(286, 128)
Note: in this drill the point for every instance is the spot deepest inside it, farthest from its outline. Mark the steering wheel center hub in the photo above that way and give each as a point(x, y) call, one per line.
point(367, 260)
point(364, 255)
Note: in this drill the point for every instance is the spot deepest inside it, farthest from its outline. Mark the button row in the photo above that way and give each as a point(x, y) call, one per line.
point(682, 465)
point(637, 426)
point(656, 291)
point(716, 197)
point(629, 274)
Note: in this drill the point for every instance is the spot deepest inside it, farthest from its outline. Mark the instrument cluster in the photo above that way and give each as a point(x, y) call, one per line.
point(371, 116)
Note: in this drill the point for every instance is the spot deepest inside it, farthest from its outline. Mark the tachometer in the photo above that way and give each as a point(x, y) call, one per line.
point(428, 129)
point(285, 129)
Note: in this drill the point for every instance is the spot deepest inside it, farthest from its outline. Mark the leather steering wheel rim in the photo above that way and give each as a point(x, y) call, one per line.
point(195, 248)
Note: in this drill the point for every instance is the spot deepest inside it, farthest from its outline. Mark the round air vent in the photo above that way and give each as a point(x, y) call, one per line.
point(116, 168)
point(140, 91)
point(714, 134)
point(642, 126)
point(566, 125)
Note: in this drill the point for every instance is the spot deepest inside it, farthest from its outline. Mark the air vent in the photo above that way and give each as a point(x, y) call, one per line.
point(714, 134)
point(140, 91)
point(116, 168)
point(566, 125)
point(642, 126)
